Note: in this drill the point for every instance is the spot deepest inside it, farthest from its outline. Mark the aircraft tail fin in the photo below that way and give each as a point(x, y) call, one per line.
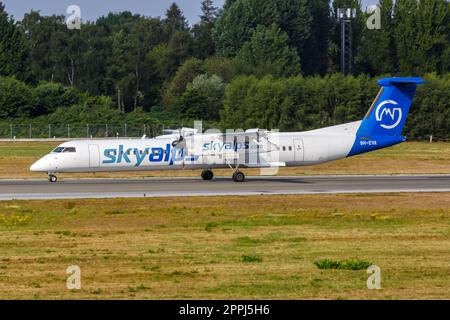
point(388, 113)
point(383, 124)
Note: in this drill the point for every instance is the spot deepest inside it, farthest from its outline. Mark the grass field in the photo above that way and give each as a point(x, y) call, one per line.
point(219, 248)
point(407, 158)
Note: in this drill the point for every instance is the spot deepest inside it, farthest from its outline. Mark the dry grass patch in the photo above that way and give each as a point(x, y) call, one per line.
point(227, 247)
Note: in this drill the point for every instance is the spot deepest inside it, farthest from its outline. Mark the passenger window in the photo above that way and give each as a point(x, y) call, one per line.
point(70, 149)
point(290, 148)
point(284, 148)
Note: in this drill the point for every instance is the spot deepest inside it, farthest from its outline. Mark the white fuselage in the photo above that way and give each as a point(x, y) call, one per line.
point(189, 148)
point(201, 151)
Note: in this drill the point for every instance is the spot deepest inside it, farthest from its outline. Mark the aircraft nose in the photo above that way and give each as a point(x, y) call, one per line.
point(39, 166)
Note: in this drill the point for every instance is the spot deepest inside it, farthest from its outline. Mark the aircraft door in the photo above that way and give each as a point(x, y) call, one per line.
point(94, 156)
point(299, 153)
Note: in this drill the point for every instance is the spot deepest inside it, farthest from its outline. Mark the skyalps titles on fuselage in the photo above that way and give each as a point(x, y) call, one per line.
point(192, 149)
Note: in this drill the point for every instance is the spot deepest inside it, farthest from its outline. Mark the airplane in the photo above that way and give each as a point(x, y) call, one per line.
point(187, 148)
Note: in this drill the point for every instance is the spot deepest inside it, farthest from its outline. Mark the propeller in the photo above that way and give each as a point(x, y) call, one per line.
point(181, 134)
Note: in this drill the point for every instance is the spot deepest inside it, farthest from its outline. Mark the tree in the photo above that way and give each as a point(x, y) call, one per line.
point(305, 22)
point(175, 20)
point(203, 98)
point(234, 113)
point(185, 75)
point(145, 35)
point(47, 97)
point(295, 19)
point(47, 41)
point(432, 36)
point(430, 114)
point(15, 98)
point(405, 30)
point(209, 12)
point(95, 49)
point(179, 49)
point(13, 51)
point(203, 41)
point(225, 68)
point(164, 60)
point(377, 54)
point(238, 22)
point(268, 52)
point(314, 53)
point(120, 76)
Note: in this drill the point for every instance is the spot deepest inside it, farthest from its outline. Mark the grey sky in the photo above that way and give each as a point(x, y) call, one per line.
point(92, 9)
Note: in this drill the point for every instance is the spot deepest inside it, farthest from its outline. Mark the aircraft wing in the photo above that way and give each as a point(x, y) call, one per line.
point(253, 134)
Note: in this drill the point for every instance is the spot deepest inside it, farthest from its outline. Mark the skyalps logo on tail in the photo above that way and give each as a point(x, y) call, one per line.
point(383, 125)
point(388, 109)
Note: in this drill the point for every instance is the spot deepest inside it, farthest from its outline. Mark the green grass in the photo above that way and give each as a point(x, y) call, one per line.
point(274, 247)
point(251, 258)
point(353, 264)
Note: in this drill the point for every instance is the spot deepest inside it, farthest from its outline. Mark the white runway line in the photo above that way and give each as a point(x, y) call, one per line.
point(222, 186)
point(64, 196)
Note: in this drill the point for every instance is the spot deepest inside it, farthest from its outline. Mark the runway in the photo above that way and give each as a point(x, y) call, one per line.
point(221, 186)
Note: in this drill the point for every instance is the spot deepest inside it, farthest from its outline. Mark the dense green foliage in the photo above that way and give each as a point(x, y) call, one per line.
point(253, 63)
point(306, 103)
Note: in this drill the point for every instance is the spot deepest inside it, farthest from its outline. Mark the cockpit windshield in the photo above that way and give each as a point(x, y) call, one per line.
point(58, 150)
point(64, 149)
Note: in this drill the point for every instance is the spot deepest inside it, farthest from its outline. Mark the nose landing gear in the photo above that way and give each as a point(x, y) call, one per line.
point(52, 178)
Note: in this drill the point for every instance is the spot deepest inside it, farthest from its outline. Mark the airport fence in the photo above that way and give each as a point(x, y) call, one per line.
point(89, 131)
point(69, 131)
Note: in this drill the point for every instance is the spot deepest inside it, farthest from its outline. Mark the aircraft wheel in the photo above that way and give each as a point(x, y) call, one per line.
point(52, 178)
point(207, 175)
point(238, 177)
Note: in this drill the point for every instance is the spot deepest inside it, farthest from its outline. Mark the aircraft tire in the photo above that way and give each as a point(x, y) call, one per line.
point(207, 175)
point(52, 178)
point(238, 177)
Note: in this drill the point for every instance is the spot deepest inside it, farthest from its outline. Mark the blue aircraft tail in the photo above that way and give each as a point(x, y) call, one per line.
point(383, 124)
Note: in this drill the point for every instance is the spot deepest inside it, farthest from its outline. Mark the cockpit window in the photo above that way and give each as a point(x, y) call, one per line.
point(58, 150)
point(64, 150)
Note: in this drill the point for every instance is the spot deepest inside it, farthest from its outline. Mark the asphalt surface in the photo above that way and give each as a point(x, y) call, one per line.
point(163, 187)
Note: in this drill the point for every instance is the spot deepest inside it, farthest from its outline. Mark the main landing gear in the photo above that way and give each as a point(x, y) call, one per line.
point(52, 178)
point(207, 175)
point(238, 176)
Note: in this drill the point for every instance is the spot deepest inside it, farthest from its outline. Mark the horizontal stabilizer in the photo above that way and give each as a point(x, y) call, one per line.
point(400, 81)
